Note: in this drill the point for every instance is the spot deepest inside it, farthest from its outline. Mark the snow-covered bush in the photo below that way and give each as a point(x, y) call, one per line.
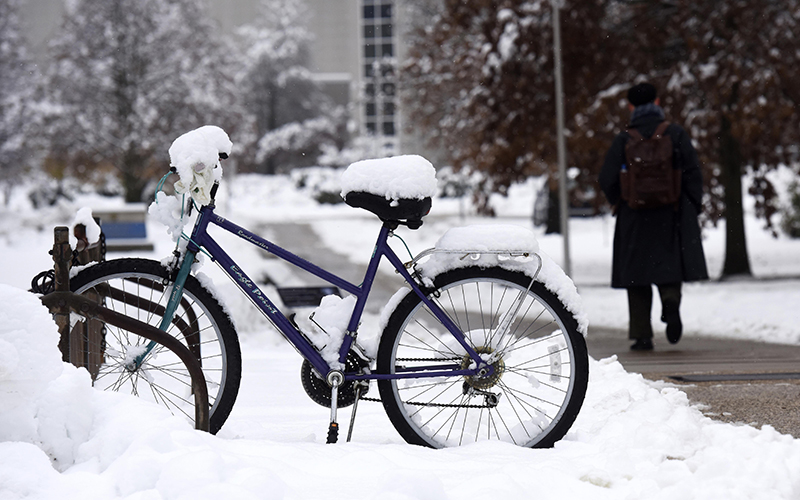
point(455, 184)
point(790, 222)
point(321, 183)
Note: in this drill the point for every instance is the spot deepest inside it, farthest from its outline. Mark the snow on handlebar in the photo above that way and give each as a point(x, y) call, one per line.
point(195, 156)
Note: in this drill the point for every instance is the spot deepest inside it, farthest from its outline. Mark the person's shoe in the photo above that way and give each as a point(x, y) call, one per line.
point(672, 317)
point(642, 345)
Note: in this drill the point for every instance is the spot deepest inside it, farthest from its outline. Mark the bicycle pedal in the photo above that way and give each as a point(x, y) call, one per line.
point(333, 433)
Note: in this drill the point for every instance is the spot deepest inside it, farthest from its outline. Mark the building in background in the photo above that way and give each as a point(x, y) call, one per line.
point(354, 56)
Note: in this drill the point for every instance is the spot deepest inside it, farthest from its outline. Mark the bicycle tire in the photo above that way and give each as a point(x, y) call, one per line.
point(135, 288)
point(540, 360)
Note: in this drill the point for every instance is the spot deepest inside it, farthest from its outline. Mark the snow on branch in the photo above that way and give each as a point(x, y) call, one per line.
point(293, 136)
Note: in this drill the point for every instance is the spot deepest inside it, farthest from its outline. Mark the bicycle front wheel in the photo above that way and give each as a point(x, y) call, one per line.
point(539, 359)
point(138, 288)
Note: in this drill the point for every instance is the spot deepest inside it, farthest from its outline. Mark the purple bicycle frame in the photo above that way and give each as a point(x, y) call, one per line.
point(201, 238)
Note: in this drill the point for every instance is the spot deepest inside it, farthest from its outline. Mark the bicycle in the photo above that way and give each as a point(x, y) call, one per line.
point(475, 347)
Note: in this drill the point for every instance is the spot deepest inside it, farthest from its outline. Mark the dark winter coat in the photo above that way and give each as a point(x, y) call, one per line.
point(660, 245)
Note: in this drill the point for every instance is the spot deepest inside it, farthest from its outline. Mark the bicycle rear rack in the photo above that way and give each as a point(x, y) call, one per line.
point(62, 301)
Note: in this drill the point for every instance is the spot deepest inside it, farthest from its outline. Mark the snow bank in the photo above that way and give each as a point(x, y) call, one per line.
point(397, 177)
point(195, 156)
point(50, 404)
point(29, 361)
point(43, 401)
point(640, 439)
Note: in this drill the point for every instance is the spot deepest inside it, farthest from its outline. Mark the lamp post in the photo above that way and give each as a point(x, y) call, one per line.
point(562, 162)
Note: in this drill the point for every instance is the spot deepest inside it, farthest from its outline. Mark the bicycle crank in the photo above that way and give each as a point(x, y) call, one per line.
point(320, 392)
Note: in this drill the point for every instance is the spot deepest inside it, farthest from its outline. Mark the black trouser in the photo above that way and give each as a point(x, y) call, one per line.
point(640, 301)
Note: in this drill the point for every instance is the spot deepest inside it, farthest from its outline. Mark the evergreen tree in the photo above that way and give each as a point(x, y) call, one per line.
point(291, 118)
point(129, 77)
point(17, 82)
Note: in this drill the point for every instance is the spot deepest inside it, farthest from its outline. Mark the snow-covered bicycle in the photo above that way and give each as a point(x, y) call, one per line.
point(485, 341)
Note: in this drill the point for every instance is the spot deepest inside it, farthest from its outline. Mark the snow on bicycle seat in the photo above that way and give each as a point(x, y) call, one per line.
point(396, 189)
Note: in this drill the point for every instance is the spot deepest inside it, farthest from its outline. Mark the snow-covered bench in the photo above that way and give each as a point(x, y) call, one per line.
point(124, 227)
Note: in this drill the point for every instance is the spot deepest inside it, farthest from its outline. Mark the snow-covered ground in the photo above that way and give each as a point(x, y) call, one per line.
point(633, 439)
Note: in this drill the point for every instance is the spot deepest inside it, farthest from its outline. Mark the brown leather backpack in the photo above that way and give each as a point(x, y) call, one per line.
point(648, 179)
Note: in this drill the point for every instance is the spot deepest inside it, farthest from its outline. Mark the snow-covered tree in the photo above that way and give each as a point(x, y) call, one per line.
point(126, 79)
point(479, 79)
point(17, 82)
point(291, 118)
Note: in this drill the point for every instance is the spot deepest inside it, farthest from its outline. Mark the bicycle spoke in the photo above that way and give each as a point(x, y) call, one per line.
point(516, 393)
point(432, 399)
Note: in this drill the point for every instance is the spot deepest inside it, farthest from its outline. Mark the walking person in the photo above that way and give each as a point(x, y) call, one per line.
point(652, 178)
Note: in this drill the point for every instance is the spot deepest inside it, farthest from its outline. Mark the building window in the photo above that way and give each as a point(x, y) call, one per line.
point(379, 80)
point(388, 88)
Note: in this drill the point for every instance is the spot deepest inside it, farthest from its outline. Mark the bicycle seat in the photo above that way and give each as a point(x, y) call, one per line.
point(405, 211)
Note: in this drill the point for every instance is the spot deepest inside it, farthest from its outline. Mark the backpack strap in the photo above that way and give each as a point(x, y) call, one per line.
point(661, 129)
point(636, 135)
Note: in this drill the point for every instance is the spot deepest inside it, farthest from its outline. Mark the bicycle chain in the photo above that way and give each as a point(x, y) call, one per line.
point(438, 405)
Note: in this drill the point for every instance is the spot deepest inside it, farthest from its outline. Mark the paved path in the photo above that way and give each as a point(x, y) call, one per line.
point(303, 241)
point(734, 380)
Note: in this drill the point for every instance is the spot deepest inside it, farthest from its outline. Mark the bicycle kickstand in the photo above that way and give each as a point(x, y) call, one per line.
point(335, 379)
point(359, 391)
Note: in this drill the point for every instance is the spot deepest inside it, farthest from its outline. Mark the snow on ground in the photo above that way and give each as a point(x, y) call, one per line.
point(633, 439)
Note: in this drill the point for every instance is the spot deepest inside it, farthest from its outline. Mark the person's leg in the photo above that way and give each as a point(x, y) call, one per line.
point(640, 301)
point(670, 310)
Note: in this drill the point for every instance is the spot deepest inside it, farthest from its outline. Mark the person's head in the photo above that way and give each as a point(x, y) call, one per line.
point(641, 94)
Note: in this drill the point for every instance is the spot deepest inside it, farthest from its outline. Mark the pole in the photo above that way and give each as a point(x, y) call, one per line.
point(562, 162)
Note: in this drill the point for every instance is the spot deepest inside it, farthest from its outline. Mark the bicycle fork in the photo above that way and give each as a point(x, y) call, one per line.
point(171, 307)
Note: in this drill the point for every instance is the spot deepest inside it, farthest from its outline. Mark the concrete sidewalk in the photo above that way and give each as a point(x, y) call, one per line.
point(735, 380)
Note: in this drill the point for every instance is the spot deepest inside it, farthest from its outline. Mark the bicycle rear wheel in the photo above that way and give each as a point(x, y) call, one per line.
point(540, 362)
point(136, 288)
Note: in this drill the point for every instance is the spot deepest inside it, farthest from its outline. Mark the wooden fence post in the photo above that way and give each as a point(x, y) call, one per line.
point(62, 255)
